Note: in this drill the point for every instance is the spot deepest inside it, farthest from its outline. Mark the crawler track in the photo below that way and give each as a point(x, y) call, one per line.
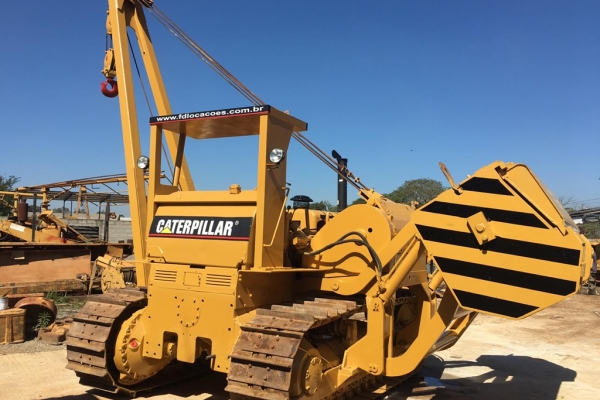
point(265, 355)
point(262, 361)
point(90, 339)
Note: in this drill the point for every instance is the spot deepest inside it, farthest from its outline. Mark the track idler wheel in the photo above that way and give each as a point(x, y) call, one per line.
point(308, 370)
point(313, 374)
point(129, 353)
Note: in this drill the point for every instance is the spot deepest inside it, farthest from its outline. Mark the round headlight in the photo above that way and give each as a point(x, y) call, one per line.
point(143, 162)
point(277, 155)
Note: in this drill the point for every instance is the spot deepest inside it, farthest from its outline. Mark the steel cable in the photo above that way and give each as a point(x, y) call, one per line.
point(203, 54)
point(172, 27)
point(147, 99)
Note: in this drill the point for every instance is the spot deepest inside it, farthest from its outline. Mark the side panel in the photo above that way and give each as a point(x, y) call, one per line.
point(203, 308)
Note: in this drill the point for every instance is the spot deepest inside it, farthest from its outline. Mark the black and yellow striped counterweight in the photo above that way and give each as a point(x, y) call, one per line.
point(504, 244)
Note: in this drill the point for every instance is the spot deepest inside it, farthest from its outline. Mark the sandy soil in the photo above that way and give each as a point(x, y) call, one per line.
point(551, 355)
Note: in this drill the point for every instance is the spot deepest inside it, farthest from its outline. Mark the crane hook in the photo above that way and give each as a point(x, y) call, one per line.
point(113, 91)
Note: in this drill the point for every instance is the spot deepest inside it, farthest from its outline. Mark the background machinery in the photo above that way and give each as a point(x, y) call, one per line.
point(227, 282)
point(41, 252)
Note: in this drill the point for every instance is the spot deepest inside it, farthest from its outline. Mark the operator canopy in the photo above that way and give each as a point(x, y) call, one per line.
point(232, 122)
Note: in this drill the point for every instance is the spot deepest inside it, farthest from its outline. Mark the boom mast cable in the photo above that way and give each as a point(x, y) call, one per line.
point(172, 27)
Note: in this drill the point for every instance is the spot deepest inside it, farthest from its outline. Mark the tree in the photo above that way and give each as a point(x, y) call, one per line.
point(323, 205)
point(421, 190)
point(565, 201)
point(7, 184)
point(61, 210)
point(360, 200)
point(38, 209)
point(590, 230)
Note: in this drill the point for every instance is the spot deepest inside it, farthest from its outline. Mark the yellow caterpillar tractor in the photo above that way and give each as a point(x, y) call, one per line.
point(226, 282)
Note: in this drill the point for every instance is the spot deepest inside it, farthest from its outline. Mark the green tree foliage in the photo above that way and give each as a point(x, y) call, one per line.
point(7, 184)
point(420, 190)
point(591, 230)
point(38, 209)
point(360, 200)
point(61, 210)
point(323, 206)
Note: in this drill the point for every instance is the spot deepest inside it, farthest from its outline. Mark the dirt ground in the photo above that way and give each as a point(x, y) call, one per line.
point(551, 355)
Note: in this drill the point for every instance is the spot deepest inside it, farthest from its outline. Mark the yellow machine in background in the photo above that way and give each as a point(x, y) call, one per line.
point(233, 282)
point(44, 253)
point(49, 228)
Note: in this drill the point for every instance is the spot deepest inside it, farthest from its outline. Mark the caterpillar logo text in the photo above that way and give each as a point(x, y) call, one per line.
point(201, 227)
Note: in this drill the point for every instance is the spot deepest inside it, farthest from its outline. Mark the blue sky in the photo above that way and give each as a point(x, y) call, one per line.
point(394, 86)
